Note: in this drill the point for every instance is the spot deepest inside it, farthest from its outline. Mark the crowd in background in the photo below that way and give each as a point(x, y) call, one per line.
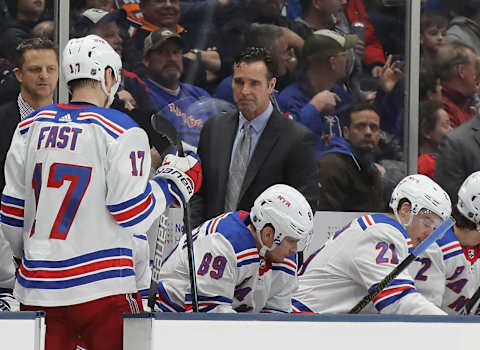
point(178, 55)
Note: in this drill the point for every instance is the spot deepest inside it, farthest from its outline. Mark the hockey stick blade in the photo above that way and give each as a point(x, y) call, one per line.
point(436, 234)
point(165, 128)
point(167, 131)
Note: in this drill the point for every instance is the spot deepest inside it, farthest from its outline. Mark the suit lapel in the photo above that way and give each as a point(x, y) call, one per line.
point(267, 140)
point(227, 131)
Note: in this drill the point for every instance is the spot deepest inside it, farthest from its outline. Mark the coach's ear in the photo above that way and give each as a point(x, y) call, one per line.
point(18, 74)
point(268, 235)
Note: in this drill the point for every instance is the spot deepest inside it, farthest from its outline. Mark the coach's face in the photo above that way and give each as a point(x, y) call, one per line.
point(38, 75)
point(252, 88)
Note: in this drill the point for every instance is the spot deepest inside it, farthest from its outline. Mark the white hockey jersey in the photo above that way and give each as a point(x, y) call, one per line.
point(76, 191)
point(448, 274)
point(231, 276)
point(352, 262)
point(7, 277)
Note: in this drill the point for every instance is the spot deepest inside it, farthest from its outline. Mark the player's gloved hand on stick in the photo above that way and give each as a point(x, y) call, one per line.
point(184, 175)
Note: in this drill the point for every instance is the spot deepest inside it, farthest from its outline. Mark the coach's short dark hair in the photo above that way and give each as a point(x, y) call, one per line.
point(256, 54)
point(37, 43)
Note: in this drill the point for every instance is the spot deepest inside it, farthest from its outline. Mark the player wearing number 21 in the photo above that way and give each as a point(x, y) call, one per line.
point(355, 259)
point(76, 191)
point(245, 262)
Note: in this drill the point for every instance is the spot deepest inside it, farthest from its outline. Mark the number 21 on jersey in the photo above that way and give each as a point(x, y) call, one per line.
point(387, 253)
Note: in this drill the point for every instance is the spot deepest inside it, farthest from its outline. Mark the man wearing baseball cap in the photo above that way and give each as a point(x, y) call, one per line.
point(163, 58)
point(318, 97)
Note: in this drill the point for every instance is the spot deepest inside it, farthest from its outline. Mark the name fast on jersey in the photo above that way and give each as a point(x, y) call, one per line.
point(58, 137)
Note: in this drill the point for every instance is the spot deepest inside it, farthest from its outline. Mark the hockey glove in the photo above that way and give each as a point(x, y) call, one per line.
point(184, 175)
point(8, 302)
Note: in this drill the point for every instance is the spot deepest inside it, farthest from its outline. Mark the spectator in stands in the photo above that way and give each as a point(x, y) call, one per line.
point(465, 27)
point(232, 24)
point(132, 90)
point(348, 178)
point(434, 123)
point(163, 60)
point(318, 93)
point(455, 64)
point(244, 153)
point(166, 14)
point(37, 72)
point(430, 86)
point(320, 14)
point(274, 39)
point(25, 15)
point(433, 27)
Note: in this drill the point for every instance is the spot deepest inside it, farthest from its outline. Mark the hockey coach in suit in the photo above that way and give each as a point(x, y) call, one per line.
point(245, 152)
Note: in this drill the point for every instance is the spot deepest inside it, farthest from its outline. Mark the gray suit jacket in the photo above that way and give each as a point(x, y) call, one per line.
point(285, 153)
point(459, 156)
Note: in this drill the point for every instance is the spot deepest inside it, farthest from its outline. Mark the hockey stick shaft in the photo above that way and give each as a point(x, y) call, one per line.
point(436, 234)
point(157, 261)
point(167, 131)
point(467, 308)
point(188, 232)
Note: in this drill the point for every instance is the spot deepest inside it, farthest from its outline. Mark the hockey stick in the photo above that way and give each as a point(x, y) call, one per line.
point(467, 308)
point(436, 234)
point(162, 126)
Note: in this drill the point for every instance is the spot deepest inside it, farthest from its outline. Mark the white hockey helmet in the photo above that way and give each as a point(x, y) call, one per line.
point(422, 193)
point(289, 213)
point(89, 57)
point(469, 198)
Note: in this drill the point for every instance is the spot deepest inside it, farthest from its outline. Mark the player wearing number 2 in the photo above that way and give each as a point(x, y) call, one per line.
point(245, 262)
point(76, 192)
point(355, 259)
point(449, 273)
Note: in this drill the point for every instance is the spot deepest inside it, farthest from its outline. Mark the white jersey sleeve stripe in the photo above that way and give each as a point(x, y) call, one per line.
point(12, 211)
point(396, 290)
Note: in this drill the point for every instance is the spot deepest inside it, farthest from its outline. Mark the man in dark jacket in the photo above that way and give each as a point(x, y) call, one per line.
point(348, 178)
point(37, 72)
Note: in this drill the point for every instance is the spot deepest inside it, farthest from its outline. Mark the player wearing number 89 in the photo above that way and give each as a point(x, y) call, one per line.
point(355, 259)
point(76, 192)
point(245, 262)
point(449, 273)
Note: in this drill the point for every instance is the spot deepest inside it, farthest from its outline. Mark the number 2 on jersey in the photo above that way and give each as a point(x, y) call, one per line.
point(79, 177)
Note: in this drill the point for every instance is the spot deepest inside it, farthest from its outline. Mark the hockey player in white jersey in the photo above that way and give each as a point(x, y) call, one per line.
point(355, 259)
point(76, 192)
point(245, 262)
point(449, 273)
point(7, 277)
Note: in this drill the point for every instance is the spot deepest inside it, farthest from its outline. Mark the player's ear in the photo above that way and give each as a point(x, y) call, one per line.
point(268, 235)
point(404, 209)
